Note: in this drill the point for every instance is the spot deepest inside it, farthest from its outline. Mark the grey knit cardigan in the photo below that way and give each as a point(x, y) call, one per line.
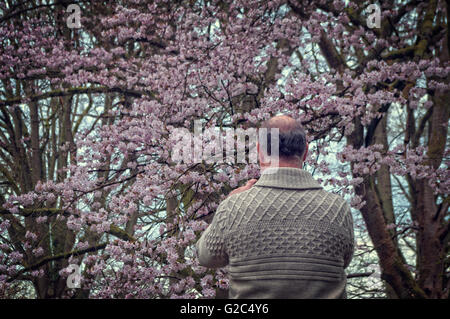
point(285, 237)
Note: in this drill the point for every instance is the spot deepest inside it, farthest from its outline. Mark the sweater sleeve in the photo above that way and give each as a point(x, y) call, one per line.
point(211, 245)
point(350, 237)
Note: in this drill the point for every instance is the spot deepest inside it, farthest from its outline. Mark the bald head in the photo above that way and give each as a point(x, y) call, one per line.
point(284, 123)
point(292, 136)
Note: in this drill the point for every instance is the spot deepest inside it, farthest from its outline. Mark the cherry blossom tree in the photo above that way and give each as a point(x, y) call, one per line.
point(88, 114)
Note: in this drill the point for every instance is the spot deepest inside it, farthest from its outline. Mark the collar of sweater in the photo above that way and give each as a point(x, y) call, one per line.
point(287, 177)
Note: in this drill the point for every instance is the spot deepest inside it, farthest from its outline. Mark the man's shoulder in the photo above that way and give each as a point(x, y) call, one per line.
point(231, 200)
point(332, 196)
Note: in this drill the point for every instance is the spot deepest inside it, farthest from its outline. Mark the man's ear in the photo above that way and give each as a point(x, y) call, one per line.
point(306, 152)
point(260, 155)
point(258, 151)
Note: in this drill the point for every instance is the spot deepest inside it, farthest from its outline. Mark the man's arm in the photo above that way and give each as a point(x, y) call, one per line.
point(211, 245)
point(351, 237)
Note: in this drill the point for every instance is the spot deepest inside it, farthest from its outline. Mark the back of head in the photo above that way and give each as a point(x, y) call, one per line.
point(292, 136)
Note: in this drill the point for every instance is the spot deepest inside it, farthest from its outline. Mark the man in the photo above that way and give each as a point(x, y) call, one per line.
point(282, 236)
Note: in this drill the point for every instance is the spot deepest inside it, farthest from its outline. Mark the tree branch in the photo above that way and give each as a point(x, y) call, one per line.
point(58, 257)
point(76, 90)
point(358, 275)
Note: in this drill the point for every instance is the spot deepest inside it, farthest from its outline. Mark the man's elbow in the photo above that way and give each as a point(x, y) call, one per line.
point(206, 259)
point(212, 261)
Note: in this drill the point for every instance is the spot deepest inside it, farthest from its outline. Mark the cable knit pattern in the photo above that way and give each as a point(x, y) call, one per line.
point(286, 237)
